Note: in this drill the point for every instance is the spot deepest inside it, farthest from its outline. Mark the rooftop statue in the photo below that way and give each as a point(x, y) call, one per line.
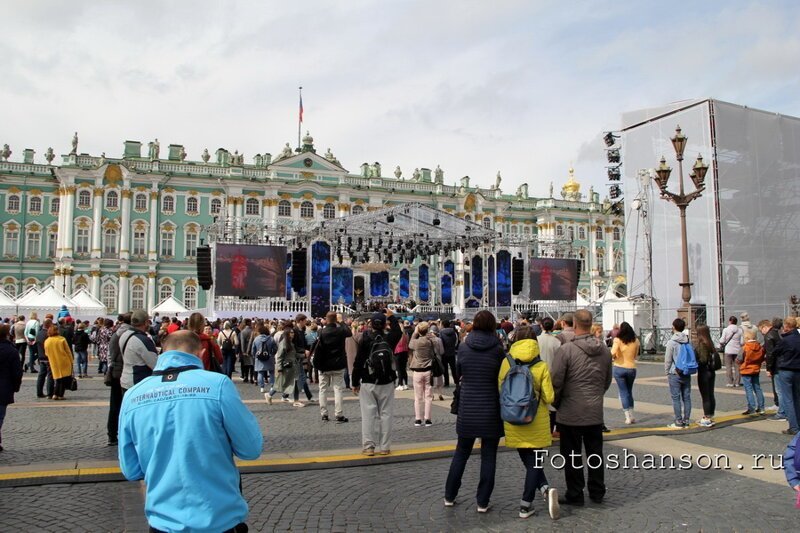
point(416, 175)
point(206, 156)
point(287, 151)
point(49, 155)
point(398, 173)
point(74, 144)
point(498, 180)
point(155, 148)
point(6, 153)
point(438, 174)
point(183, 154)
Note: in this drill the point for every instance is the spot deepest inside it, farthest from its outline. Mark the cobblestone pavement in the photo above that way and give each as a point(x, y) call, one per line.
point(39, 430)
point(409, 496)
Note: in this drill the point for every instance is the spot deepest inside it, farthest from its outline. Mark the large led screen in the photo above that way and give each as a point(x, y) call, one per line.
point(553, 279)
point(249, 270)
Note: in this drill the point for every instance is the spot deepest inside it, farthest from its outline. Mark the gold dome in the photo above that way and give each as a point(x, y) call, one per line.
point(572, 186)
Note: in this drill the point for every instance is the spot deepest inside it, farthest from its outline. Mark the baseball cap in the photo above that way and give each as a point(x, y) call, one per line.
point(378, 320)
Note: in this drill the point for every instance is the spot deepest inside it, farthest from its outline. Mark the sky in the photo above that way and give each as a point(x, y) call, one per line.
point(523, 87)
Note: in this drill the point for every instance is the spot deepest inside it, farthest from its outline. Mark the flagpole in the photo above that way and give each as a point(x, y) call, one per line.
point(300, 118)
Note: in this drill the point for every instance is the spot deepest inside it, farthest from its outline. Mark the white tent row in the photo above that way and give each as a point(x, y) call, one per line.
point(50, 300)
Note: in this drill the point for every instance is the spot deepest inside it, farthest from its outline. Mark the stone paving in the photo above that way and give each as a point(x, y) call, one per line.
point(407, 496)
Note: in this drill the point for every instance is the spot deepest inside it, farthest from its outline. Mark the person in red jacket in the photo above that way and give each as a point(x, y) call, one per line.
point(750, 369)
point(197, 323)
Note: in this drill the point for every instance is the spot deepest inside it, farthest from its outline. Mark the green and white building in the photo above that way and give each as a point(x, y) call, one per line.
point(126, 229)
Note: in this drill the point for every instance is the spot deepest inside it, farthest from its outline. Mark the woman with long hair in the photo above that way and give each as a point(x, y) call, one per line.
point(286, 366)
point(624, 351)
point(478, 364)
point(706, 373)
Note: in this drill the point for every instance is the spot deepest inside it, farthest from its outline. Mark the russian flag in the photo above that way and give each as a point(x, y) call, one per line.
point(301, 108)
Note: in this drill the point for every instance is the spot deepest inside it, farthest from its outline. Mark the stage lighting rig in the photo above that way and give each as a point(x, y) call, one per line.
point(615, 192)
point(613, 155)
point(609, 138)
point(614, 174)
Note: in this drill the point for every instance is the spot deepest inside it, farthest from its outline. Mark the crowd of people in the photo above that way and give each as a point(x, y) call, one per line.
point(570, 360)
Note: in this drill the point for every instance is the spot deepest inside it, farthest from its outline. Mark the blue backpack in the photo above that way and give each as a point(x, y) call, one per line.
point(686, 362)
point(518, 399)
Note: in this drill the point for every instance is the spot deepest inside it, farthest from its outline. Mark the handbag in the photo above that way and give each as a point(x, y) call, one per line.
point(73, 385)
point(716, 361)
point(456, 398)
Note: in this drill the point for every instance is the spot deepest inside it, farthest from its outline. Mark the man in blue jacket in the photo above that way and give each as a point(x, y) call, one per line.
point(787, 356)
point(179, 430)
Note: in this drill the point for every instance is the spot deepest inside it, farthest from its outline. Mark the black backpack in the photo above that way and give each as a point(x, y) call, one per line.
point(264, 353)
point(227, 344)
point(380, 362)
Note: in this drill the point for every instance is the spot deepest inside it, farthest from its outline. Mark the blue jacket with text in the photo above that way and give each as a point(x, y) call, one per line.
point(179, 434)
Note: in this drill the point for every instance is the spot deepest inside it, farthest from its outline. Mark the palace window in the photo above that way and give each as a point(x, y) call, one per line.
point(80, 287)
point(33, 243)
point(598, 233)
point(167, 243)
point(11, 289)
point(570, 233)
point(616, 234)
point(191, 205)
point(329, 211)
point(112, 200)
point(140, 202)
point(357, 209)
point(85, 199)
point(191, 244)
point(168, 204)
point(35, 206)
point(55, 205)
point(11, 242)
point(12, 205)
point(284, 208)
point(307, 210)
point(487, 223)
point(581, 233)
point(52, 240)
point(251, 207)
point(139, 236)
point(109, 296)
point(467, 218)
point(165, 292)
point(216, 206)
point(514, 229)
point(618, 267)
point(559, 231)
point(190, 297)
point(137, 296)
point(110, 243)
point(526, 230)
point(82, 241)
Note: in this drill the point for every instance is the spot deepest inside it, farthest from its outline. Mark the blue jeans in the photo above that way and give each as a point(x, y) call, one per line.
point(680, 388)
point(625, 378)
point(459, 463)
point(82, 358)
point(301, 384)
point(228, 363)
point(263, 379)
point(33, 355)
point(534, 474)
point(753, 392)
point(789, 386)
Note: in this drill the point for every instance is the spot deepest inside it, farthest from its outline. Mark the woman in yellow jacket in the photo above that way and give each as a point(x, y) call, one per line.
point(60, 357)
point(531, 439)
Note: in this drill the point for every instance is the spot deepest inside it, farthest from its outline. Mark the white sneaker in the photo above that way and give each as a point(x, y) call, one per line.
point(706, 423)
point(286, 400)
point(552, 504)
point(399, 387)
point(405, 387)
point(526, 511)
point(773, 408)
point(268, 398)
point(484, 509)
point(448, 503)
point(298, 404)
point(262, 390)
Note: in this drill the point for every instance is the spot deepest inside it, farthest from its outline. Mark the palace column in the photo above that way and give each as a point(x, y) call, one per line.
point(67, 273)
point(125, 232)
point(65, 218)
point(152, 245)
point(458, 281)
point(97, 219)
point(123, 294)
point(95, 284)
point(151, 291)
point(238, 214)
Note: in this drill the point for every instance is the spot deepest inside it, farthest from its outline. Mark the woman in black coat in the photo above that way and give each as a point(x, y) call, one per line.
point(10, 375)
point(478, 365)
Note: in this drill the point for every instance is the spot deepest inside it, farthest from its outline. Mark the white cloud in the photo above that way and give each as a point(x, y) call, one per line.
point(522, 87)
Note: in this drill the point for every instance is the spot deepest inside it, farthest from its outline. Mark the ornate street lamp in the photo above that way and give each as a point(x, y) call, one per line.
point(682, 200)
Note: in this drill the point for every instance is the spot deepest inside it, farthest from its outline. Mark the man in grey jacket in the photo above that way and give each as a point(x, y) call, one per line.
point(581, 373)
point(138, 350)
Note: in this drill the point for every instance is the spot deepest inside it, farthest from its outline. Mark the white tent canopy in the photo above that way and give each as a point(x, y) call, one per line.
point(7, 303)
point(48, 299)
point(87, 306)
point(169, 307)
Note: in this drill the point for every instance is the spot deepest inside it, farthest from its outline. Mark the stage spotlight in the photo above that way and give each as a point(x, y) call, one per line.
point(614, 174)
point(609, 139)
point(615, 192)
point(390, 219)
point(613, 155)
point(436, 221)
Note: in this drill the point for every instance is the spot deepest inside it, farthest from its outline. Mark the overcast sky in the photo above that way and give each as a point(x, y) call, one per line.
point(524, 87)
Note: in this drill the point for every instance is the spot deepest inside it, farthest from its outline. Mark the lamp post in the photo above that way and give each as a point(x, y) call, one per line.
point(682, 200)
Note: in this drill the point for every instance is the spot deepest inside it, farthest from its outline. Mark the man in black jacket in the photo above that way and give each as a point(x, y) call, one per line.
point(376, 390)
point(330, 359)
point(787, 354)
point(449, 339)
point(772, 336)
